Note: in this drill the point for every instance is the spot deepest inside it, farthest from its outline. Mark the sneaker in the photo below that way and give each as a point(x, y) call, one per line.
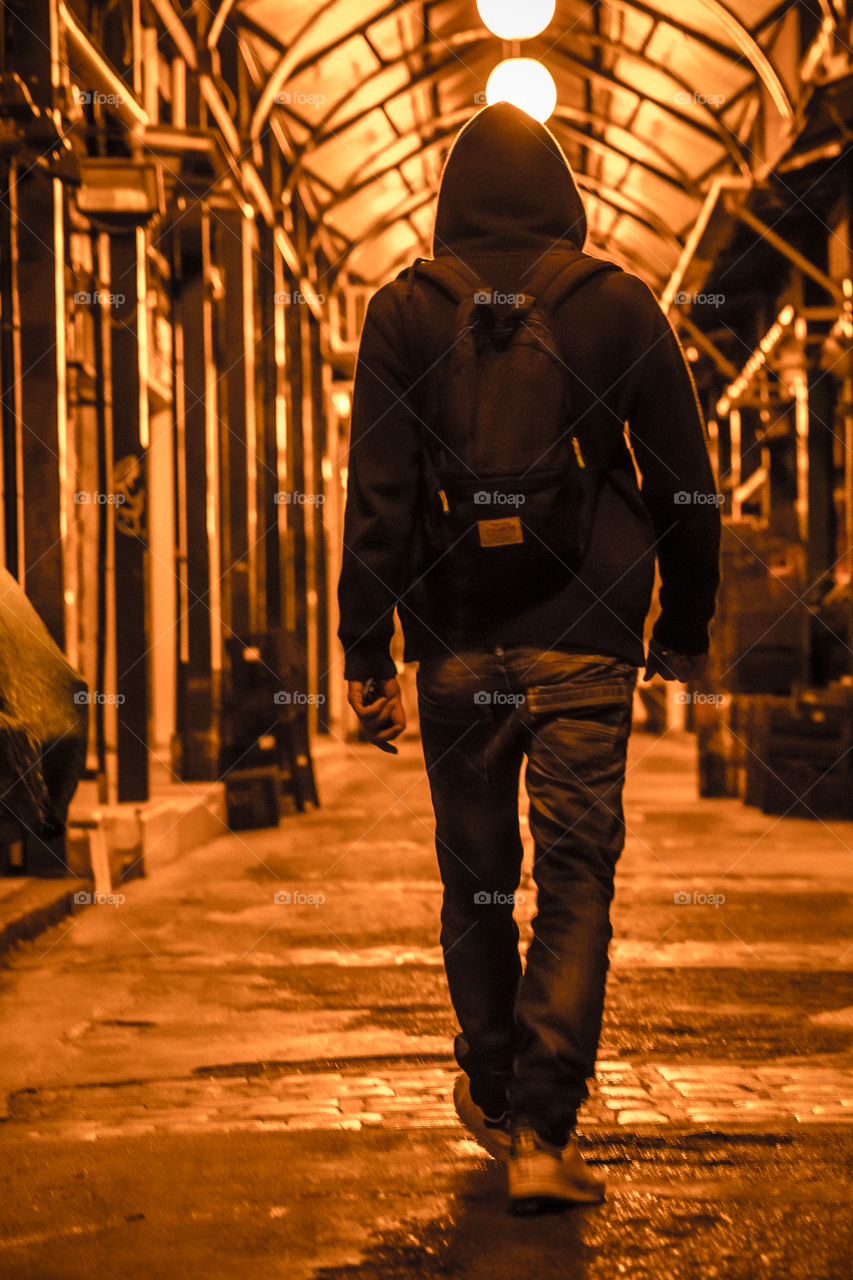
point(492, 1135)
point(540, 1174)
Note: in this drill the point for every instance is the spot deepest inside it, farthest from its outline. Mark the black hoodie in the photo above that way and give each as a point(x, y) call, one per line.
point(507, 199)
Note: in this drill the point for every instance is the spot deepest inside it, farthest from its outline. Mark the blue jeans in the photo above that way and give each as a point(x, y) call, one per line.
point(528, 1040)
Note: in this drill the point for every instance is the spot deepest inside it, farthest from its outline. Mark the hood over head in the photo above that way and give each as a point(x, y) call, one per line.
point(507, 185)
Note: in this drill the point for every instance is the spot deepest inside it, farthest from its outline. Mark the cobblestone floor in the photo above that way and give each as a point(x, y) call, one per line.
point(221, 1080)
point(413, 1097)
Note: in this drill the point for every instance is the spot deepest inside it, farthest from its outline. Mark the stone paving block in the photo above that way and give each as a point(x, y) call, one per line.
point(299, 1088)
point(717, 1117)
point(409, 1103)
point(274, 1108)
point(623, 1091)
point(641, 1117)
point(318, 1119)
point(757, 1104)
point(691, 1088)
point(351, 1105)
point(413, 1122)
point(296, 1124)
point(809, 1088)
point(367, 1091)
point(824, 1119)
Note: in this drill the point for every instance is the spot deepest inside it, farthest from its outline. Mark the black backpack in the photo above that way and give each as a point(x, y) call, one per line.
point(509, 493)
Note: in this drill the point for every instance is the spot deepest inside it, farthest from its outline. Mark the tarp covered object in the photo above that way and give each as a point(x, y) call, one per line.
point(44, 716)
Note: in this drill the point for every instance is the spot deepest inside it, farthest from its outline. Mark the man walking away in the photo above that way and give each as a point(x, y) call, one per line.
point(494, 502)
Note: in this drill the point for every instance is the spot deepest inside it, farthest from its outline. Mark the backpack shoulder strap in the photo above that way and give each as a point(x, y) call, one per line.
point(448, 274)
point(559, 284)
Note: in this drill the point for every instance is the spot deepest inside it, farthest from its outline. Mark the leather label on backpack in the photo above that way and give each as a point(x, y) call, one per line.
point(500, 533)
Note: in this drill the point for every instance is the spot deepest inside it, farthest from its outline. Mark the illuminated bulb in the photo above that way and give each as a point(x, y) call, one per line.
point(513, 21)
point(526, 84)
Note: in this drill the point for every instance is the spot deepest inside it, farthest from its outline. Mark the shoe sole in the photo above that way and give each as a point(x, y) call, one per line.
point(539, 1200)
point(468, 1116)
point(528, 1192)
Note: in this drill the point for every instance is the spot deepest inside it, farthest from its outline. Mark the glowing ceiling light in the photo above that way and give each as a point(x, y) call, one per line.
point(513, 21)
point(526, 84)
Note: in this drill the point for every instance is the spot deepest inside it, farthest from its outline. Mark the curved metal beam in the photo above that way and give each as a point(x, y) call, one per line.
point(594, 118)
point(718, 130)
point(290, 60)
point(745, 42)
point(752, 51)
point(216, 26)
point(412, 203)
point(324, 132)
point(447, 126)
point(397, 214)
point(641, 212)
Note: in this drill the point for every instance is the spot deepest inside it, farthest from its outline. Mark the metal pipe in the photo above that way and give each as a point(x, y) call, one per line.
point(101, 74)
point(735, 459)
point(248, 247)
point(801, 422)
point(727, 182)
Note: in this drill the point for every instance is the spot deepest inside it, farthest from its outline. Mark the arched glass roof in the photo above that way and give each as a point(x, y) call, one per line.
point(655, 101)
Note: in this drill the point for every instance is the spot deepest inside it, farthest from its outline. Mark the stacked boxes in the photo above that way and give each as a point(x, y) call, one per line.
point(799, 758)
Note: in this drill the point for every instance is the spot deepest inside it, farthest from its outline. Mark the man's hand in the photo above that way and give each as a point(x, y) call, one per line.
point(688, 668)
point(383, 719)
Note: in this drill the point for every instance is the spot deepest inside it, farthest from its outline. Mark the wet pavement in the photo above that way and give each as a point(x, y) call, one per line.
point(243, 1069)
